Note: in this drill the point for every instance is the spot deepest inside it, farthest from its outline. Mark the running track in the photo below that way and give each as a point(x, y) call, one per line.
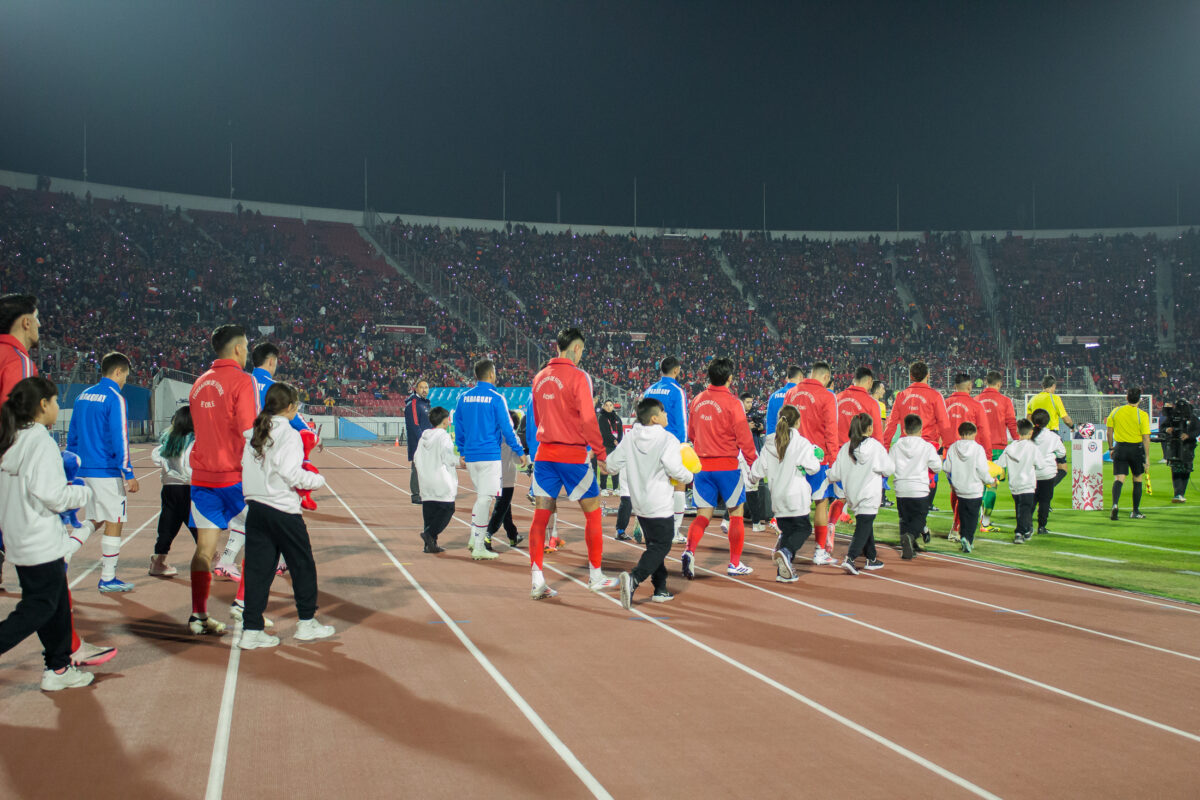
point(936, 678)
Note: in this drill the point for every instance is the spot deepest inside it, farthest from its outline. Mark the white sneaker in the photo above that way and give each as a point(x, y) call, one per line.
point(480, 552)
point(159, 567)
point(724, 526)
point(602, 582)
point(227, 572)
point(309, 629)
point(758, 527)
point(238, 610)
point(738, 569)
point(821, 558)
point(954, 536)
point(202, 625)
point(253, 640)
point(541, 591)
point(680, 538)
point(848, 565)
point(70, 678)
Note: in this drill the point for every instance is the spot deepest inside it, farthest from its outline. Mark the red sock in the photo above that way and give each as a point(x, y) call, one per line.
point(737, 536)
point(201, 581)
point(76, 642)
point(537, 536)
point(822, 532)
point(241, 595)
point(696, 532)
point(593, 536)
point(835, 511)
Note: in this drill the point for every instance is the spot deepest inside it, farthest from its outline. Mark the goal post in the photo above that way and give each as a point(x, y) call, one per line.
point(1093, 408)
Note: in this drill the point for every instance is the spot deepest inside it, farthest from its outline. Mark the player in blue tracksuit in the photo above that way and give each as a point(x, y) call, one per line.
point(481, 422)
point(775, 403)
point(265, 358)
point(674, 401)
point(99, 435)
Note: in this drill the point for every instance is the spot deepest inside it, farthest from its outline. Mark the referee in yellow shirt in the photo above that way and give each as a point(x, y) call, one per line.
point(1049, 401)
point(1129, 441)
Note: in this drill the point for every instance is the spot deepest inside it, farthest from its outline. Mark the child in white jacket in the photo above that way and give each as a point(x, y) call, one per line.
point(787, 458)
point(969, 474)
point(1051, 448)
point(915, 460)
point(650, 458)
point(1020, 458)
point(436, 465)
point(860, 466)
point(174, 456)
point(33, 492)
point(272, 471)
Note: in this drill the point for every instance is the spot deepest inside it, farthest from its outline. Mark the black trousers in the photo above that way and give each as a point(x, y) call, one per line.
point(753, 510)
point(967, 514)
point(764, 503)
point(624, 512)
point(1179, 480)
point(914, 511)
point(1043, 494)
point(270, 532)
point(1025, 504)
point(794, 532)
point(436, 516)
point(614, 479)
point(653, 564)
point(502, 514)
point(414, 484)
point(176, 508)
point(863, 542)
point(44, 609)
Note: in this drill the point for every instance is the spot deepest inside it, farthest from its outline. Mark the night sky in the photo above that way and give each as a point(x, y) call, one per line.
point(966, 105)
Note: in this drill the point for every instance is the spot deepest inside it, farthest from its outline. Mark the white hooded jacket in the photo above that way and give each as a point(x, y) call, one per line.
point(176, 471)
point(862, 475)
point(968, 467)
point(274, 479)
point(914, 459)
point(436, 466)
point(1049, 445)
point(1021, 458)
point(33, 492)
point(791, 495)
point(649, 457)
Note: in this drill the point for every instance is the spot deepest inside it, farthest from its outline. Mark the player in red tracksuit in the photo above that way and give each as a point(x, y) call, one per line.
point(819, 424)
point(1002, 422)
point(960, 408)
point(20, 325)
point(563, 414)
point(224, 403)
point(857, 399)
point(718, 430)
point(927, 403)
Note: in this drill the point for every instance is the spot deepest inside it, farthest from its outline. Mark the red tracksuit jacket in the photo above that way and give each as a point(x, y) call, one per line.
point(565, 414)
point(718, 429)
point(926, 402)
point(1000, 414)
point(224, 403)
point(960, 408)
point(818, 415)
point(852, 401)
point(15, 365)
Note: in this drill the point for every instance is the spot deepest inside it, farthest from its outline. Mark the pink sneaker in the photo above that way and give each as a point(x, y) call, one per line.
point(229, 572)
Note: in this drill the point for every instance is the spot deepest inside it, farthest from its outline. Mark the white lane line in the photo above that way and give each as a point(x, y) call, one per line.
point(564, 752)
point(220, 751)
point(1187, 572)
point(921, 761)
point(1089, 558)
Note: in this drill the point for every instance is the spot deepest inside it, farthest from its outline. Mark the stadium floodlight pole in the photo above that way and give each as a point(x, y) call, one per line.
point(897, 212)
point(635, 206)
point(558, 207)
point(764, 205)
point(504, 196)
point(1033, 210)
point(85, 165)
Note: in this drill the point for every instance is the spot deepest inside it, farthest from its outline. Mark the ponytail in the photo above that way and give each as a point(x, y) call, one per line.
point(1040, 419)
point(858, 433)
point(24, 403)
point(789, 416)
point(179, 435)
point(279, 397)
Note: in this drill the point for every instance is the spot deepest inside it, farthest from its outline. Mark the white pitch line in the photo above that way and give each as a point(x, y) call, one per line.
point(564, 752)
point(934, 648)
point(862, 730)
point(1089, 558)
point(1187, 572)
point(220, 751)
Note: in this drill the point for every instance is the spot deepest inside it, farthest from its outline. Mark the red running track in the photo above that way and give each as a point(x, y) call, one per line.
point(939, 677)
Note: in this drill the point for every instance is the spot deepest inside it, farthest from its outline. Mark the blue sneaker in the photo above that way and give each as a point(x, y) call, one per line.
point(115, 585)
point(688, 561)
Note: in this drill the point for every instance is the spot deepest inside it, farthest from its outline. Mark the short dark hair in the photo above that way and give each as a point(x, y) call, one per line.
point(912, 424)
point(1133, 395)
point(876, 385)
point(668, 365)
point(719, 371)
point(437, 415)
point(747, 396)
point(114, 361)
point(864, 372)
point(261, 352)
point(820, 366)
point(483, 367)
point(223, 335)
point(994, 378)
point(967, 428)
point(795, 371)
point(568, 337)
point(1049, 381)
point(13, 307)
point(918, 370)
point(1024, 426)
point(961, 377)
point(646, 408)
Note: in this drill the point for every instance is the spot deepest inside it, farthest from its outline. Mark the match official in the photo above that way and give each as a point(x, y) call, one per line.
point(1129, 442)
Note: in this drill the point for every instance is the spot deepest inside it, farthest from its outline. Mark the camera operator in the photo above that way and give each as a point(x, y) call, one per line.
point(1178, 430)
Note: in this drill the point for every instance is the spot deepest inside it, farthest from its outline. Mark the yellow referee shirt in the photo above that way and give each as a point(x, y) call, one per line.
point(882, 410)
point(1053, 406)
point(1129, 424)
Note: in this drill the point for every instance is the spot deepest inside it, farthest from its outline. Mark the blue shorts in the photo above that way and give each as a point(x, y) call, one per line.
point(711, 488)
point(822, 489)
point(223, 508)
point(550, 479)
